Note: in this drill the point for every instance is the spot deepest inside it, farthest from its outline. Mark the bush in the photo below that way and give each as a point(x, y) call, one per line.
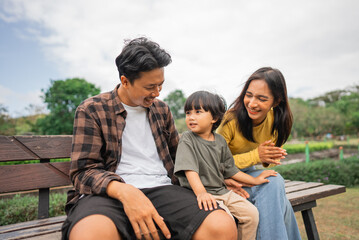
point(343, 172)
point(313, 146)
point(24, 208)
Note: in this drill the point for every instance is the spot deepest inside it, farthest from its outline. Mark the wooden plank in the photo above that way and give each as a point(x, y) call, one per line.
point(32, 232)
point(11, 151)
point(33, 176)
point(48, 147)
point(50, 236)
point(31, 224)
point(293, 183)
point(303, 186)
point(312, 194)
point(63, 167)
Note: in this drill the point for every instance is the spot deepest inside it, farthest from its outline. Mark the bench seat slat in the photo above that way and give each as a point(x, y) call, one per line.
point(312, 194)
point(293, 183)
point(33, 232)
point(31, 224)
point(303, 186)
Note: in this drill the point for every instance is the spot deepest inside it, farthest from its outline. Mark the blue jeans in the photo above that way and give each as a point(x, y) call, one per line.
point(276, 216)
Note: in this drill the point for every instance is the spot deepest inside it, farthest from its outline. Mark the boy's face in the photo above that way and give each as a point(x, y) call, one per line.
point(144, 90)
point(199, 121)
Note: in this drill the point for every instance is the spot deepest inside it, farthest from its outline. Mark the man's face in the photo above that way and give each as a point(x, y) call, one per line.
point(144, 90)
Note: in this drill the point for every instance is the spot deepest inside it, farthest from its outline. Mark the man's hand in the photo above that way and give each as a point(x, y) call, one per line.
point(139, 210)
point(237, 187)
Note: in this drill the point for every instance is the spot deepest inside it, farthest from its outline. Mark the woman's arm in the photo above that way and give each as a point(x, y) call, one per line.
point(203, 197)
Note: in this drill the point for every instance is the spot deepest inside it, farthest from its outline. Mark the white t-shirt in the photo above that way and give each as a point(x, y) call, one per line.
point(140, 163)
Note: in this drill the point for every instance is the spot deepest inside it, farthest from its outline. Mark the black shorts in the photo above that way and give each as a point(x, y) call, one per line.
point(178, 206)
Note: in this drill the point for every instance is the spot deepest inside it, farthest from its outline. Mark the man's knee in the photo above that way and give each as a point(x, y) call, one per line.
point(94, 227)
point(217, 225)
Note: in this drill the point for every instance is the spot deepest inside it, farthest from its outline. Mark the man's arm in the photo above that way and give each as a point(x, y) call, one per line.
point(87, 171)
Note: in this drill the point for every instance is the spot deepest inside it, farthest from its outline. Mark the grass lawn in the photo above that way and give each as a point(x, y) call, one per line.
point(337, 217)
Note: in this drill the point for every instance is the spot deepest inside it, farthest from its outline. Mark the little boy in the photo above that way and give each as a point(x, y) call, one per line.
point(203, 161)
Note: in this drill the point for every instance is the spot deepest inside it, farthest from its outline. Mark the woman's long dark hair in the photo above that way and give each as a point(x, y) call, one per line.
point(283, 119)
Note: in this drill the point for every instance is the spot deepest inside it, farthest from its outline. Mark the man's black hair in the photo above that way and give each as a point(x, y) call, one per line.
point(140, 55)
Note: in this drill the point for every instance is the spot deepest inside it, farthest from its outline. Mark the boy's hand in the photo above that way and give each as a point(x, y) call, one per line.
point(207, 200)
point(262, 178)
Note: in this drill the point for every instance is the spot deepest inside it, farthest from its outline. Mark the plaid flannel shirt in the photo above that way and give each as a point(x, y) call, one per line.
point(97, 142)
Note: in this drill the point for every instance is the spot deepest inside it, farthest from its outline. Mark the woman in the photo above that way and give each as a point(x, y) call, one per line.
point(255, 127)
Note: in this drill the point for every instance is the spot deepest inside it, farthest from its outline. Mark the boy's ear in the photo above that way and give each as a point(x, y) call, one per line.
point(214, 120)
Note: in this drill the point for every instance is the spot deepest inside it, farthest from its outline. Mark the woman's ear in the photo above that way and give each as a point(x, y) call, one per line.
point(276, 103)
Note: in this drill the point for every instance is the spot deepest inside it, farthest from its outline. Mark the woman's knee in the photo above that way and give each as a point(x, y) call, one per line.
point(94, 227)
point(217, 225)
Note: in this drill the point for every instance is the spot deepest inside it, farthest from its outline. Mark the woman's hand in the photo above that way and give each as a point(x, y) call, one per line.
point(237, 187)
point(270, 154)
point(206, 200)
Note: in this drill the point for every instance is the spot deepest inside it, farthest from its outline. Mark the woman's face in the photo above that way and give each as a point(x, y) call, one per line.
point(258, 100)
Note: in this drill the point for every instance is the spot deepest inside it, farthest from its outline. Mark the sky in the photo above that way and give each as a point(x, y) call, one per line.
point(215, 45)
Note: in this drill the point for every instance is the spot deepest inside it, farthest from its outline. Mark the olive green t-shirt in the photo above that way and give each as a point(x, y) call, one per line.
point(212, 160)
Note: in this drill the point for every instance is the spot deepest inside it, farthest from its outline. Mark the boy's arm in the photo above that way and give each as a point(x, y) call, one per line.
point(203, 198)
point(246, 178)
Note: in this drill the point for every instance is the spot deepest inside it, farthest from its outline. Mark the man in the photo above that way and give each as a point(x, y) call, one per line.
point(124, 145)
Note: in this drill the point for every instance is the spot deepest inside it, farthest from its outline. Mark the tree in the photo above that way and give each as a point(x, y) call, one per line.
point(7, 125)
point(175, 101)
point(62, 99)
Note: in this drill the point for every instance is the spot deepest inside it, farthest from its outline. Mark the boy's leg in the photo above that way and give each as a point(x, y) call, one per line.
point(244, 211)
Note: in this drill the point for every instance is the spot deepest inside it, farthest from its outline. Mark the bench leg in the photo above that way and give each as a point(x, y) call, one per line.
point(43, 208)
point(310, 226)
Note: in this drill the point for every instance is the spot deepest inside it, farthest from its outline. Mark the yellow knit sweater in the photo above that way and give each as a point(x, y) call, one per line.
point(245, 153)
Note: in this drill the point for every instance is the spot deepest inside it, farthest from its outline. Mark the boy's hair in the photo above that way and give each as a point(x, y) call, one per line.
point(140, 55)
point(213, 103)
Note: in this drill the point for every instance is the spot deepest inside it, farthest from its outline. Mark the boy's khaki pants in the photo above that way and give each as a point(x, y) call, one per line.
point(243, 210)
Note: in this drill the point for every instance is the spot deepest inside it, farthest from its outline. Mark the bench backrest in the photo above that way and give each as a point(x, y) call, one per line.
point(46, 174)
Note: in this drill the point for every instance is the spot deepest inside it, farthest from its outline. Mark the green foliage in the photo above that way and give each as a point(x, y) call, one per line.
point(181, 125)
point(62, 99)
point(7, 125)
point(175, 101)
point(33, 161)
point(24, 208)
point(346, 102)
point(314, 120)
point(343, 172)
point(313, 146)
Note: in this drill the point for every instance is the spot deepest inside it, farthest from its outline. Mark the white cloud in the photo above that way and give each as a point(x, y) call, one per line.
point(17, 102)
point(215, 45)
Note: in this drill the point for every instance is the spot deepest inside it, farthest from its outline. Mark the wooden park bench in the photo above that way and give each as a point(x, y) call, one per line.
point(46, 174)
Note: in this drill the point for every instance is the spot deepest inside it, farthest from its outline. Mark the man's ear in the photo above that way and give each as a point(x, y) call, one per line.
point(124, 81)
